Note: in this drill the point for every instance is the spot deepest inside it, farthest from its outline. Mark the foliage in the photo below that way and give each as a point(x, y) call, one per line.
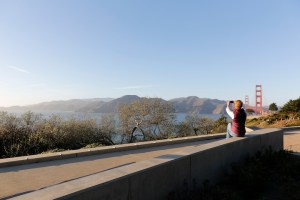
point(143, 120)
point(146, 119)
point(183, 129)
point(275, 120)
point(293, 106)
point(198, 124)
point(18, 135)
point(220, 125)
point(268, 175)
point(108, 128)
point(32, 134)
point(289, 115)
point(273, 107)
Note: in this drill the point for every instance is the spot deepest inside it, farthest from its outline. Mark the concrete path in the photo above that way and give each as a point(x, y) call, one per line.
point(292, 140)
point(20, 179)
point(24, 178)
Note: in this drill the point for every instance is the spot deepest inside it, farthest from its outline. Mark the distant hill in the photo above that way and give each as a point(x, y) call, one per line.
point(89, 108)
point(113, 105)
point(54, 106)
point(190, 104)
point(195, 104)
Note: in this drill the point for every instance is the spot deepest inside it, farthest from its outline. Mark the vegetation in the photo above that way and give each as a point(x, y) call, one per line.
point(289, 115)
point(293, 106)
point(276, 120)
point(143, 120)
point(220, 125)
point(146, 119)
point(265, 176)
point(196, 125)
point(33, 134)
point(273, 107)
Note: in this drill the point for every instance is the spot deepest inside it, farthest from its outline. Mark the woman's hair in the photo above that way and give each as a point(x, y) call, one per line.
point(238, 104)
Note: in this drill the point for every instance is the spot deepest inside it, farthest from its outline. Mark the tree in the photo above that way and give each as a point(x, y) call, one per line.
point(193, 122)
point(273, 107)
point(107, 128)
point(220, 125)
point(201, 125)
point(206, 125)
point(146, 119)
point(183, 129)
point(293, 106)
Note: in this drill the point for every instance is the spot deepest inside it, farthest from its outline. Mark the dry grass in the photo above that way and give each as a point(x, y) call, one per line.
point(265, 122)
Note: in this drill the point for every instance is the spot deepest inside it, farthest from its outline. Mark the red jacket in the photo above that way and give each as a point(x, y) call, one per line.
point(238, 122)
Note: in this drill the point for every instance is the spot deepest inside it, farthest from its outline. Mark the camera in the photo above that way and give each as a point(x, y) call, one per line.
point(231, 101)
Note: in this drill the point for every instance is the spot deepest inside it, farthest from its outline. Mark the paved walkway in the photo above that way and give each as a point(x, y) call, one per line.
point(292, 140)
point(24, 178)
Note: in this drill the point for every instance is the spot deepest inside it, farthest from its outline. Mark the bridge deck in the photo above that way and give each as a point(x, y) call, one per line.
point(24, 178)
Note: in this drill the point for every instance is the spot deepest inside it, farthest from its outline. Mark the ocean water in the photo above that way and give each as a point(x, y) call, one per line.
point(181, 116)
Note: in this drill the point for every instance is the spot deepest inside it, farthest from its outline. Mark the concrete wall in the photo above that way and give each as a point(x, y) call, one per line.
point(23, 160)
point(156, 178)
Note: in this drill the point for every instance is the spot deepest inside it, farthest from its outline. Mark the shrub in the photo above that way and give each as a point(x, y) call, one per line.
point(32, 134)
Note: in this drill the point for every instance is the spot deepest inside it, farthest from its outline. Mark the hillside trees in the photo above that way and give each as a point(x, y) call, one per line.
point(11, 135)
point(30, 133)
point(142, 120)
point(21, 135)
point(146, 119)
point(183, 129)
point(108, 128)
point(220, 125)
point(198, 124)
point(291, 108)
point(273, 107)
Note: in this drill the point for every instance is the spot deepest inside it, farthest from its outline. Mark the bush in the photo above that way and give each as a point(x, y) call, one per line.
point(32, 134)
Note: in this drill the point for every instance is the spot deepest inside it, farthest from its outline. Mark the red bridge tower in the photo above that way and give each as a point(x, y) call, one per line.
point(258, 99)
point(246, 104)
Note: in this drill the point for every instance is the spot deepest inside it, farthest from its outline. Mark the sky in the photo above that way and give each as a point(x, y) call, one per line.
point(78, 49)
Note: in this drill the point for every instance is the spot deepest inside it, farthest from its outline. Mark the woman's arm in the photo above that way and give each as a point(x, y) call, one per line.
point(229, 112)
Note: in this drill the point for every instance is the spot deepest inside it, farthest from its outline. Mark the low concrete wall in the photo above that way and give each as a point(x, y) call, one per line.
point(290, 128)
point(156, 178)
point(22, 160)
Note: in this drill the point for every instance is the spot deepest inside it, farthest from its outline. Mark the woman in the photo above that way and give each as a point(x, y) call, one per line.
point(237, 127)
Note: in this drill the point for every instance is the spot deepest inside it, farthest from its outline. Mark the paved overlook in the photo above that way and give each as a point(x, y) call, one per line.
point(16, 179)
point(21, 179)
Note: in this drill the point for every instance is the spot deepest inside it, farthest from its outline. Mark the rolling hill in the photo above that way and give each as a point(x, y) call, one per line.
point(191, 104)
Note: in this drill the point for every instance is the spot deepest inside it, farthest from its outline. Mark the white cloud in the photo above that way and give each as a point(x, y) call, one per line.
point(135, 87)
point(19, 69)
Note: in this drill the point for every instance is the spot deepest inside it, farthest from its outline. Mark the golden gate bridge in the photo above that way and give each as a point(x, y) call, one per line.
point(258, 107)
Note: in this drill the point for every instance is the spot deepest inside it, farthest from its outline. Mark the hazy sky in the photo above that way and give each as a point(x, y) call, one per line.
point(69, 49)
